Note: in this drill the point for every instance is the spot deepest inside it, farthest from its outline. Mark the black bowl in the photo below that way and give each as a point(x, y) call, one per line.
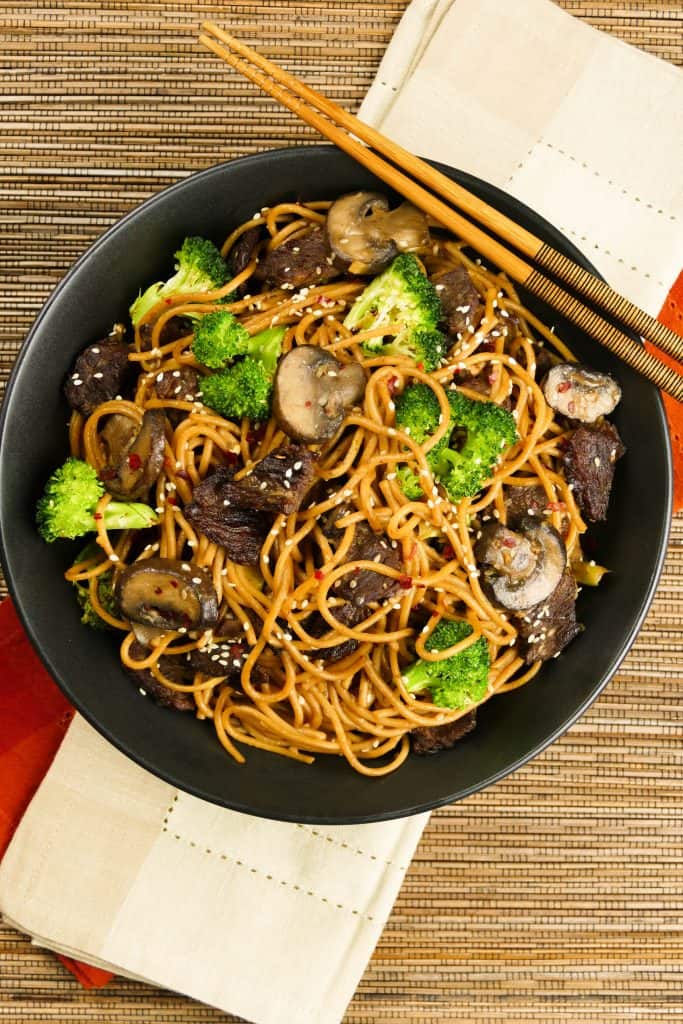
point(184, 751)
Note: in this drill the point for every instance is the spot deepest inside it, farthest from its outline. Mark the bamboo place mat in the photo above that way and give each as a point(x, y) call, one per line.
point(555, 896)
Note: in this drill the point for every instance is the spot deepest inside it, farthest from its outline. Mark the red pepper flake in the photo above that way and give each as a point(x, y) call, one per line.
point(168, 301)
point(492, 377)
point(556, 506)
point(319, 574)
point(564, 386)
point(169, 464)
point(405, 582)
point(411, 553)
point(174, 583)
point(236, 651)
point(98, 515)
point(448, 552)
point(356, 571)
point(308, 404)
point(509, 542)
point(157, 590)
point(421, 366)
point(171, 500)
point(392, 385)
point(134, 460)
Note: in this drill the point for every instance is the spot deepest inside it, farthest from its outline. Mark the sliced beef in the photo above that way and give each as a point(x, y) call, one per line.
point(177, 670)
point(460, 301)
point(548, 627)
point(242, 254)
point(213, 511)
point(177, 385)
point(348, 615)
point(306, 260)
point(521, 502)
point(279, 483)
point(360, 588)
point(174, 329)
point(589, 458)
point(99, 374)
point(431, 739)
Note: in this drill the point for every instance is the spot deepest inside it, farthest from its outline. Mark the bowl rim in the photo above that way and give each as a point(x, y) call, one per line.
point(235, 803)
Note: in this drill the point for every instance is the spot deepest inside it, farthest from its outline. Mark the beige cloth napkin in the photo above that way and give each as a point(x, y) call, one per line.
point(276, 922)
point(271, 921)
point(581, 127)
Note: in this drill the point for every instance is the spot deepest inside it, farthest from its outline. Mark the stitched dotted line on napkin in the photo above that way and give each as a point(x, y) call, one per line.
point(608, 252)
point(352, 849)
point(256, 871)
point(596, 174)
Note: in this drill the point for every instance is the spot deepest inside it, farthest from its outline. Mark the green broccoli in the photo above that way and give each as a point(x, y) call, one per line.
point(488, 429)
point(199, 268)
point(218, 338)
point(453, 682)
point(402, 294)
point(67, 507)
point(242, 390)
point(245, 388)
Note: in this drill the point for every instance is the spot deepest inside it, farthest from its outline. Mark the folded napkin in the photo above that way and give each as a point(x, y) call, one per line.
point(585, 129)
point(276, 922)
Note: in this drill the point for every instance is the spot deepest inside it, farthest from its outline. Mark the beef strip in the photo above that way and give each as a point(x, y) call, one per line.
point(177, 385)
point(548, 627)
point(349, 615)
point(279, 483)
point(306, 260)
point(241, 531)
point(460, 301)
point(589, 457)
point(365, 586)
point(174, 329)
point(431, 739)
point(242, 253)
point(521, 502)
point(177, 671)
point(99, 374)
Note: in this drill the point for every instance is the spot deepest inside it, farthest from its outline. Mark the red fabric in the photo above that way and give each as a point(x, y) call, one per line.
point(34, 716)
point(672, 316)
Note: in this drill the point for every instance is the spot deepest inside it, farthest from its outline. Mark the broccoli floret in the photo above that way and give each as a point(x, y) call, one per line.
point(418, 411)
point(401, 295)
point(218, 338)
point(67, 507)
point(245, 388)
point(199, 268)
point(242, 390)
point(488, 430)
point(453, 682)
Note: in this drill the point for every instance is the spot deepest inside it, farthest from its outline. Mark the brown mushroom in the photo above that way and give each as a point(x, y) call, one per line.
point(135, 457)
point(365, 235)
point(167, 595)
point(521, 567)
point(312, 392)
point(579, 392)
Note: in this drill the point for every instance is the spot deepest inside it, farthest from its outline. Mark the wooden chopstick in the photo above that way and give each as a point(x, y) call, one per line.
point(330, 120)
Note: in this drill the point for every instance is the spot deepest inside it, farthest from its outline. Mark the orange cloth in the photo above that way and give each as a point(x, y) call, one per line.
point(34, 714)
point(672, 316)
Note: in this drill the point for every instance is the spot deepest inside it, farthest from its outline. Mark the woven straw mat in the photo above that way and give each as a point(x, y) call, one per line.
point(555, 896)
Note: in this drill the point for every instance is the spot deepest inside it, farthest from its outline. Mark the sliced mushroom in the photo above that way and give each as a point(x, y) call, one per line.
point(167, 595)
point(580, 393)
point(521, 567)
point(365, 235)
point(313, 391)
point(135, 456)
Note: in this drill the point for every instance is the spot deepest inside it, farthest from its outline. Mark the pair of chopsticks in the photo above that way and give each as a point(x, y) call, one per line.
point(412, 177)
